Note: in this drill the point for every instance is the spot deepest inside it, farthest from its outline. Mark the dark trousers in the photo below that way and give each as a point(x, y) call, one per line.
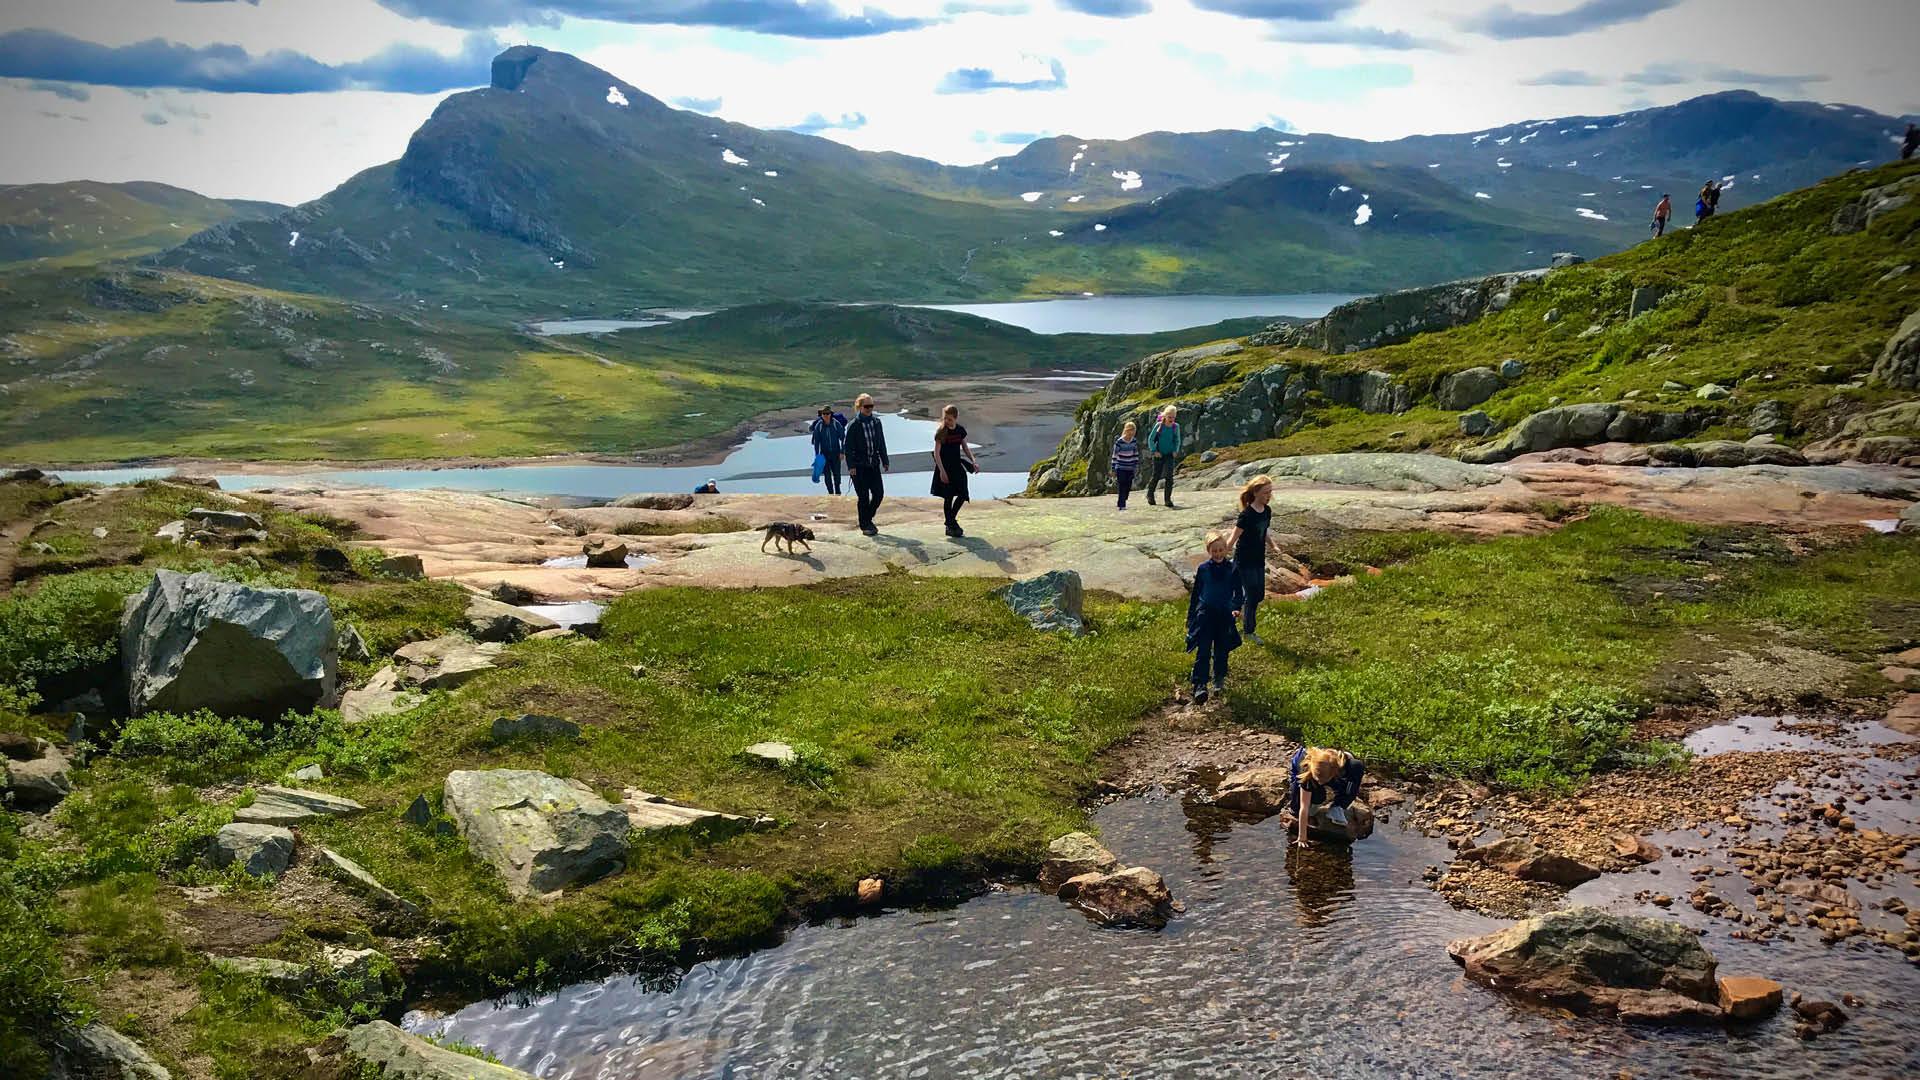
point(1123, 483)
point(951, 505)
point(869, 486)
point(1162, 474)
point(1253, 579)
point(1216, 629)
point(831, 475)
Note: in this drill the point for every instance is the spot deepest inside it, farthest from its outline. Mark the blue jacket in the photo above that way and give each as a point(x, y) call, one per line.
point(829, 435)
point(1217, 590)
point(1341, 790)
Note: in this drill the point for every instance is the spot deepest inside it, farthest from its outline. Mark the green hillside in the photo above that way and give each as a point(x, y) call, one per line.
point(85, 221)
point(109, 366)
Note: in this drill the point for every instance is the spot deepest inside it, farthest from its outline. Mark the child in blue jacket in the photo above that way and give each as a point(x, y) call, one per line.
point(1216, 600)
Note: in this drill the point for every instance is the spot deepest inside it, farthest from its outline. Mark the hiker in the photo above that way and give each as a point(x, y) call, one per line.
point(1715, 189)
point(711, 487)
point(1163, 442)
point(1911, 143)
point(867, 461)
point(1323, 783)
point(1211, 634)
point(1660, 215)
point(952, 461)
point(1125, 461)
point(828, 434)
point(1250, 540)
point(1701, 211)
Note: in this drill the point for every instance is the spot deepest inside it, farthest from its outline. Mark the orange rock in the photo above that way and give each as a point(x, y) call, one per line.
point(1905, 715)
point(1748, 997)
point(870, 890)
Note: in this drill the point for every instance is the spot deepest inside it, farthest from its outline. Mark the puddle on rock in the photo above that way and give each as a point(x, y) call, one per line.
point(1285, 963)
point(579, 562)
point(577, 613)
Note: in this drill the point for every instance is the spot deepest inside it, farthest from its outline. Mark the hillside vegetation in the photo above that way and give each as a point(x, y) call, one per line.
point(119, 365)
point(86, 221)
point(1774, 304)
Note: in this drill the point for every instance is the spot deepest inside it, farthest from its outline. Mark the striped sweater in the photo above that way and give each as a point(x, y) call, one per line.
point(1126, 455)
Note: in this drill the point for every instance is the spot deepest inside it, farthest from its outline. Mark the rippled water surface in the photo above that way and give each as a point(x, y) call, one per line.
point(1284, 964)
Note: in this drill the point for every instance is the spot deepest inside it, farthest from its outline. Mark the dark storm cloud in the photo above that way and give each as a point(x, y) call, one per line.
point(1502, 21)
point(50, 56)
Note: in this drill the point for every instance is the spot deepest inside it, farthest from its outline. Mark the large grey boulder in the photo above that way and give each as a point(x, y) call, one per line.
point(1475, 424)
point(37, 782)
point(1594, 961)
point(1723, 453)
point(1899, 363)
point(1873, 204)
point(1389, 318)
point(540, 832)
point(1051, 601)
point(274, 805)
point(1770, 418)
point(97, 1052)
point(1465, 389)
point(260, 850)
point(192, 642)
point(1584, 425)
point(491, 620)
point(396, 1055)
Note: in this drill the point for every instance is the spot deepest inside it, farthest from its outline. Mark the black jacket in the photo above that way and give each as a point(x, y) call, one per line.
point(867, 444)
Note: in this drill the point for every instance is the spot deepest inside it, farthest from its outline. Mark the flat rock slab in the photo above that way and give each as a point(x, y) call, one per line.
point(649, 813)
point(355, 876)
point(445, 662)
point(400, 1056)
point(274, 805)
point(382, 696)
point(771, 753)
point(491, 620)
point(540, 832)
point(279, 974)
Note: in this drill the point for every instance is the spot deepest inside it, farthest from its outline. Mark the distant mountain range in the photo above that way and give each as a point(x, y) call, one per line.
point(84, 221)
point(560, 188)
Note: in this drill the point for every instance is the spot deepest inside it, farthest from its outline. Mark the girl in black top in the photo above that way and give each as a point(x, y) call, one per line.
point(952, 461)
point(1250, 539)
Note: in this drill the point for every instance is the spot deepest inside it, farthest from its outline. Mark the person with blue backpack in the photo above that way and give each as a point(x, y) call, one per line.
point(1163, 445)
point(828, 433)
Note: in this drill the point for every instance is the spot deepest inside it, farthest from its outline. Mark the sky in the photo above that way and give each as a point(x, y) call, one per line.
point(284, 99)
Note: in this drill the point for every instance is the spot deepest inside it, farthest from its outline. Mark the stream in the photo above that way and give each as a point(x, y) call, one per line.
point(1285, 963)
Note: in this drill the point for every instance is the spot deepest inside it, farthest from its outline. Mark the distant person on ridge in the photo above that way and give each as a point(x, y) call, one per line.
point(1250, 540)
point(1126, 461)
point(1163, 442)
point(1911, 143)
point(829, 436)
point(1660, 215)
point(1702, 209)
point(1714, 190)
point(952, 461)
point(1216, 598)
point(711, 487)
point(867, 461)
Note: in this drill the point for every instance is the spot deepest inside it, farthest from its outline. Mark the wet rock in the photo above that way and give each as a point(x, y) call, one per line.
point(445, 662)
point(491, 620)
point(1051, 601)
point(870, 891)
point(771, 753)
point(97, 1052)
point(1817, 1017)
point(533, 725)
point(1637, 849)
point(225, 519)
point(1132, 897)
point(380, 697)
point(1748, 997)
point(1526, 860)
point(1319, 827)
point(1465, 389)
point(404, 567)
point(1255, 791)
point(541, 833)
point(606, 554)
point(259, 850)
point(1475, 423)
point(391, 1052)
point(1073, 855)
point(1904, 717)
point(1590, 960)
point(274, 805)
point(191, 642)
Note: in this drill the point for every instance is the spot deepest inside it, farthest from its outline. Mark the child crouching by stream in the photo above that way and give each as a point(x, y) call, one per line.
point(1212, 608)
point(1324, 783)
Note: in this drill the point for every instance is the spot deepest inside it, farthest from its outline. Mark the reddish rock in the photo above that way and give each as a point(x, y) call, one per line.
point(1132, 897)
point(1526, 860)
point(1255, 791)
point(1636, 849)
point(1905, 715)
point(1749, 997)
point(871, 890)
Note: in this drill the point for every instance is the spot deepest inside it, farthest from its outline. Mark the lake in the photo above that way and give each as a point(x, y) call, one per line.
point(765, 464)
point(1068, 315)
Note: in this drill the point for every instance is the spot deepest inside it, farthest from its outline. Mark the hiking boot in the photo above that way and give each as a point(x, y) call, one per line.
point(1256, 638)
point(869, 530)
point(1219, 689)
point(953, 529)
point(1199, 695)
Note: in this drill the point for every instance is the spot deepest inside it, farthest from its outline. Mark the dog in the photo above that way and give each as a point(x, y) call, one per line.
point(788, 533)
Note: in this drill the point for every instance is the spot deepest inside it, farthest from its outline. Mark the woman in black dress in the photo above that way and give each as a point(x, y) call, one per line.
point(952, 462)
